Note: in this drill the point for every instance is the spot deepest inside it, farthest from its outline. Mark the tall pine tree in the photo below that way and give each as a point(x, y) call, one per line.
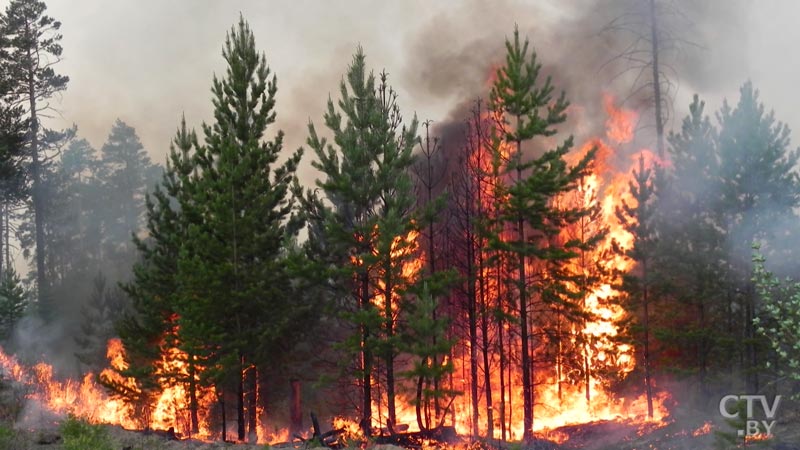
point(637, 218)
point(759, 193)
point(150, 328)
point(366, 214)
point(34, 49)
point(237, 293)
point(526, 110)
point(126, 174)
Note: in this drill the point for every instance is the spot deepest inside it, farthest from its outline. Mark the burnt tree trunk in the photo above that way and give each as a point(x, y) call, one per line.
point(389, 356)
point(487, 376)
point(195, 425)
point(645, 304)
point(240, 423)
point(295, 408)
point(525, 357)
point(223, 413)
point(501, 370)
point(418, 406)
point(252, 404)
point(656, 79)
point(473, 337)
point(366, 359)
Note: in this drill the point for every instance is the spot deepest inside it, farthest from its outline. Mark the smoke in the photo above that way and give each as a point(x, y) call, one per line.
point(582, 45)
point(34, 340)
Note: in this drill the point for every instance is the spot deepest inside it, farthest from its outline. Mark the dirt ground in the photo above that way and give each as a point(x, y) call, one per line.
point(597, 436)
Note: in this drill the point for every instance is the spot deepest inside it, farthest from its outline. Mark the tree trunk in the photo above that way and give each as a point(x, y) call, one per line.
point(432, 256)
point(2, 237)
point(420, 423)
point(525, 357)
point(473, 338)
point(656, 79)
point(486, 368)
point(295, 409)
point(502, 368)
point(8, 236)
point(38, 204)
point(193, 396)
point(389, 357)
point(224, 414)
point(645, 301)
point(366, 359)
point(252, 404)
point(240, 421)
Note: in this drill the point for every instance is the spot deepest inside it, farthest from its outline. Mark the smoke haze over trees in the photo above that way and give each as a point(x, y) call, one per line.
point(482, 269)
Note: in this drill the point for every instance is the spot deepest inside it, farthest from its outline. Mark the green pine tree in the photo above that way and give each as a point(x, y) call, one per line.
point(34, 48)
point(13, 304)
point(104, 308)
point(692, 254)
point(527, 110)
point(126, 173)
point(150, 327)
point(637, 219)
point(12, 156)
point(425, 339)
point(236, 307)
point(759, 193)
point(365, 217)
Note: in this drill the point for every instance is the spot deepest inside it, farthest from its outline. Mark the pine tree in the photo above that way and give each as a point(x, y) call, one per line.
point(149, 329)
point(104, 308)
point(651, 35)
point(13, 303)
point(431, 188)
point(426, 340)
point(12, 156)
point(84, 200)
point(366, 214)
point(527, 110)
point(689, 223)
point(35, 48)
point(237, 299)
point(637, 218)
point(125, 172)
point(72, 230)
point(759, 192)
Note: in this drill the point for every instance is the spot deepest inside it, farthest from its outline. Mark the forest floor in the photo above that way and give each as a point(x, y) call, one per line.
point(607, 435)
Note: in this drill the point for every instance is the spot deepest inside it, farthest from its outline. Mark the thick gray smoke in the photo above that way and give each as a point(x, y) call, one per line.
point(589, 48)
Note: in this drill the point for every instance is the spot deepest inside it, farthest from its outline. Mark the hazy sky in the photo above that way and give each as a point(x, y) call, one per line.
point(148, 61)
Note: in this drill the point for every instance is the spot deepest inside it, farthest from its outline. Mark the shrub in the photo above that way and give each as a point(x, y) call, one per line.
point(6, 436)
point(81, 435)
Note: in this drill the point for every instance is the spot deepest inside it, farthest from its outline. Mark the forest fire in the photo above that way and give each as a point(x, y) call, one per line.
point(562, 399)
point(574, 391)
point(537, 268)
point(47, 399)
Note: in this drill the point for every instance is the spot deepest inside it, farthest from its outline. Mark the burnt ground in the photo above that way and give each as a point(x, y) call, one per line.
point(603, 435)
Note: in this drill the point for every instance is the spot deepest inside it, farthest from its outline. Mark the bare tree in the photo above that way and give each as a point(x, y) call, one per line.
point(652, 33)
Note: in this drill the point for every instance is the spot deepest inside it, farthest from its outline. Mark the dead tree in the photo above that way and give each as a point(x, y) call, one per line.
point(652, 34)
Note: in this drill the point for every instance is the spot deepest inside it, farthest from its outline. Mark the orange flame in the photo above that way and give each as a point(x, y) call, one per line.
point(561, 401)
